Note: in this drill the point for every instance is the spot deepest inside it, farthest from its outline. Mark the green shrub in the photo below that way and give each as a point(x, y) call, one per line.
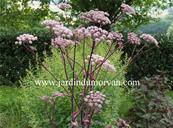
point(14, 60)
point(170, 30)
point(152, 108)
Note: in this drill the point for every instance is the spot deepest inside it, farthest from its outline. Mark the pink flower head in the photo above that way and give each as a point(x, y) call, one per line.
point(96, 16)
point(64, 6)
point(98, 34)
point(50, 23)
point(127, 9)
point(62, 43)
point(62, 31)
point(122, 124)
point(149, 38)
point(95, 100)
point(133, 38)
point(25, 38)
point(99, 60)
point(82, 33)
point(57, 94)
point(118, 37)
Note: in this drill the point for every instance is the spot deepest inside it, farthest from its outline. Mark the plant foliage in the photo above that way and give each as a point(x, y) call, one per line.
point(152, 108)
point(15, 60)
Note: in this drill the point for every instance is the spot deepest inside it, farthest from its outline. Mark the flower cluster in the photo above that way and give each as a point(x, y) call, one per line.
point(133, 38)
point(64, 6)
point(95, 100)
point(62, 43)
point(149, 38)
point(127, 9)
point(122, 124)
point(62, 31)
point(116, 36)
point(98, 34)
point(50, 23)
point(25, 38)
point(99, 60)
point(53, 97)
point(81, 33)
point(96, 16)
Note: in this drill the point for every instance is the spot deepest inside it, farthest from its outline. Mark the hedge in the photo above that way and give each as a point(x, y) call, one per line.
point(14, 59)
point(154, 61)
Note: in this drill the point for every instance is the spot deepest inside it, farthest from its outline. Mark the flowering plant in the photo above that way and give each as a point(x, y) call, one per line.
point(67, 41)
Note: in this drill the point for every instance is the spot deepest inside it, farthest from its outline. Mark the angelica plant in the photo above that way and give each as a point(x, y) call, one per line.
point(66, 39)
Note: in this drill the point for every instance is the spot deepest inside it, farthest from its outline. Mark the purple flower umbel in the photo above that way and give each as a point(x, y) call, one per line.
point(25, 38)
point(95, 100)
point(127, 9)
point(64, 6)
point(133, 38)
point(95, 16)
point(149, 38)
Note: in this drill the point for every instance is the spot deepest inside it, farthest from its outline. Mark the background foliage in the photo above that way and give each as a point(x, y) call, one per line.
point(152, 108)
point(20, 15)
point(153, 61)
point(144, 10)
point(14, 60)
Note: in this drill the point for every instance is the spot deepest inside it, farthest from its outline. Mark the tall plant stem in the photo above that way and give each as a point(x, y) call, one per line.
point(68, 58)
point(88, 68)
point(72, 91)
point(64, 64)
point(73, 61)
point(86, 78)
point(91, 115)
point(84, 56)
point(131, 59)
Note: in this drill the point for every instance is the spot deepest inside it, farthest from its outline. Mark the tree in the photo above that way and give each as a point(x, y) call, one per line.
point(19, 14)
point(143, 7)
